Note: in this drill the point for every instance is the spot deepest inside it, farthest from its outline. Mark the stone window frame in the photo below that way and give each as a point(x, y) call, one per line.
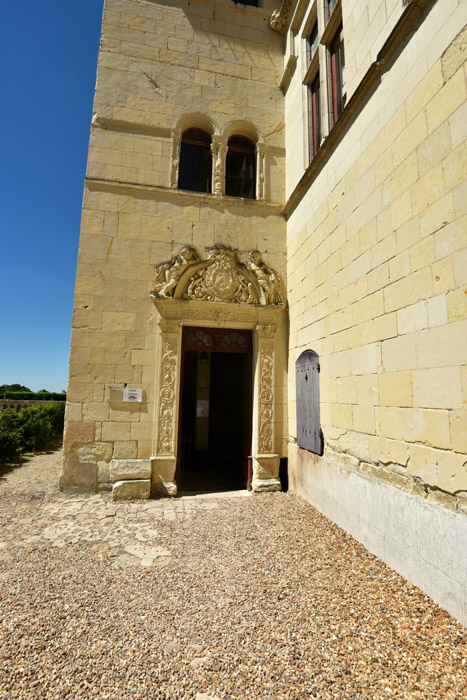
point(333, 28)
point(311, 63)
point(219, 142)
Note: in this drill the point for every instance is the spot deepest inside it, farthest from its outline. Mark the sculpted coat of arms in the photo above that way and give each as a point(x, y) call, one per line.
point(221, 277)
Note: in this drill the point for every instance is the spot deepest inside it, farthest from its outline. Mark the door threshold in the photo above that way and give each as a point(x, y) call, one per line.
point(238, 493)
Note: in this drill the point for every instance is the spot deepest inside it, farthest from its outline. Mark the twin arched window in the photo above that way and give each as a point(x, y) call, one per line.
point(195, 166)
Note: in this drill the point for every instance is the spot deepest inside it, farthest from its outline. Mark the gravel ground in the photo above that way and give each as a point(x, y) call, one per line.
point(205, 598)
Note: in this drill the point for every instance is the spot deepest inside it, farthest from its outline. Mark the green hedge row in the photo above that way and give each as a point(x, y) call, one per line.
point(30, 429)
point(33, 395)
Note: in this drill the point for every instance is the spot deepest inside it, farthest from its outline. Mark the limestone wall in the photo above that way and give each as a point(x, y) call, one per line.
point(162, 67)
point(377, 261)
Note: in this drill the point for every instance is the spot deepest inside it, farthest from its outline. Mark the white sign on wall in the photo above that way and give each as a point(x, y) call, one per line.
point(132, 394)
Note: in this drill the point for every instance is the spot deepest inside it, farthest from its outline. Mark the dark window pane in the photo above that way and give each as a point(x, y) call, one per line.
point(195, 161)
point(313, 42)
point(338, 86)
point(240, 168)
point(315, 116)
point(331, 6)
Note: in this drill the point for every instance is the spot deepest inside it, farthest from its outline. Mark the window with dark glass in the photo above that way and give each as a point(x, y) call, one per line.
point(195, 169)
point(330, 6)
point(240, 168)
point(314, 116)
point(337, 75)
point(313, 42)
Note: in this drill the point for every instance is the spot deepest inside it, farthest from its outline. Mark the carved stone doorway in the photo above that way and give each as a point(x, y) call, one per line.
point(215, 418)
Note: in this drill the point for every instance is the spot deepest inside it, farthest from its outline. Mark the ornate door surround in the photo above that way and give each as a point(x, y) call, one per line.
point(221, 292)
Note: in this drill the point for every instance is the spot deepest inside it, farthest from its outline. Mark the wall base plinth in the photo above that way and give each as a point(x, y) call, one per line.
point(422, 541)
point(261, 485)
point(134, 489)
point(164, 488)
point(266, 473)
point(163, 476)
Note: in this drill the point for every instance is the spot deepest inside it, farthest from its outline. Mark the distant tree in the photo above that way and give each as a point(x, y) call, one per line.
point(13, 387)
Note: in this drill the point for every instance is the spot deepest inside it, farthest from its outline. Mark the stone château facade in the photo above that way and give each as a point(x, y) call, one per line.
point(273, 266)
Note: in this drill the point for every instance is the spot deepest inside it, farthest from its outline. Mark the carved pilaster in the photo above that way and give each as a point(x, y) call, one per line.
point(260, 169)
point(175, 161)
point(265, 462)
point(218, 151)
point(166, 427)
point(164, 463)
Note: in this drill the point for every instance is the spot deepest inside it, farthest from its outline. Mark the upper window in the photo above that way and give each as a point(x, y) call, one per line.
point(240, 168)
point(313, 42)
point(195, 170)
point(330, 6)
point(314, 116)
point(337, 74)
point(312, 83)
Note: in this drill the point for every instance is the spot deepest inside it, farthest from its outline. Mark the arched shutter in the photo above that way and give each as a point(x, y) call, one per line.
point(309, 435)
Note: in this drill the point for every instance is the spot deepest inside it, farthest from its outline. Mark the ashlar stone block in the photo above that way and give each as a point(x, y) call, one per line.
point(126, 469)
point(136, 489)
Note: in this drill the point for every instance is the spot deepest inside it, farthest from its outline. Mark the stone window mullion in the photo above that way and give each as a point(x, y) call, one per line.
point(219, 152)
point(175, 160)
point(260, 170)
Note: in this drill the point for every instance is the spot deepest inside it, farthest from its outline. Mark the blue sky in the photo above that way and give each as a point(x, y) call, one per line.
point(48, 54)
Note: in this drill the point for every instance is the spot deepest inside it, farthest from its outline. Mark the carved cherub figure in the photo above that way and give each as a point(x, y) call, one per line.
point(268, 279)
point(167, 274)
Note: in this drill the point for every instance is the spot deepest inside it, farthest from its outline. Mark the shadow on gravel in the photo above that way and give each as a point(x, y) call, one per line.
point(7, 467)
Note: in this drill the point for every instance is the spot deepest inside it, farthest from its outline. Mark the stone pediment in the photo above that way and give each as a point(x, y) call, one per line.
point(221, 277)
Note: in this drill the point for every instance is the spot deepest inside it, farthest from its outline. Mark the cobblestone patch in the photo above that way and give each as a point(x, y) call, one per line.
point(123, 532)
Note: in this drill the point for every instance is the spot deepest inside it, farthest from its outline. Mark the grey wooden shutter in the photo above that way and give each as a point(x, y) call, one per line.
point(309, 435)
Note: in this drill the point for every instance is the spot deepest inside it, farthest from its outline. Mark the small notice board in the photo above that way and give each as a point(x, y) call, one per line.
point(132, 395)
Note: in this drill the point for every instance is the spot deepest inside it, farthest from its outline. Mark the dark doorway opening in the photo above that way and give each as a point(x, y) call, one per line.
point(215, 410)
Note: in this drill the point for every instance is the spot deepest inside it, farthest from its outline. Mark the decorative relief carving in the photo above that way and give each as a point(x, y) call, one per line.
point(222, 277)
point(269, 281)
point(218, 151)
point(207, 314)
point(175, 160)
point(167, 274)
point(165, 443)
point(168, 325)
point(266, 397)
point(222, 280)
point(261, 169)
point(279, 18)
point(266, 330)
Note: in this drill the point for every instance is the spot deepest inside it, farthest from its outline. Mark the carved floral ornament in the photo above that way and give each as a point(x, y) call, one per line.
point(221, 277)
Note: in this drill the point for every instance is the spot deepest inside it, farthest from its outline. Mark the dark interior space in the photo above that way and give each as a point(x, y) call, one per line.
point(221, 462)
